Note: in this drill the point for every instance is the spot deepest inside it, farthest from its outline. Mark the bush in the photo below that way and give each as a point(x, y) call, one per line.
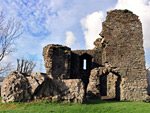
point(127, 11)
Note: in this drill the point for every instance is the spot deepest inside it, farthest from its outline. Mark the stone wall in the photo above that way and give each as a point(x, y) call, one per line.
point(93, 89)
point(71, 90)
point(15, 88)
point(121, 46)
point(76, 61)
point(19, 87)
point(115, 67)
point(148, 79)
point(93, 60)
point(104, 81)
point(113, 86)
point(122, 33)
point(57, 60)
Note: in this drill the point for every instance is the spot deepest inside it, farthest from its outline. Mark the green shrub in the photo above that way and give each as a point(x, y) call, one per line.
point(127, 11)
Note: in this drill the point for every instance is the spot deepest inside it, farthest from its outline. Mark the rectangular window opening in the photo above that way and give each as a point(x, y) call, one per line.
point(84, 64)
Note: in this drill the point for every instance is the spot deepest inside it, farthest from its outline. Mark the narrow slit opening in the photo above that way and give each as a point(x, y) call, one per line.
point(84, 64)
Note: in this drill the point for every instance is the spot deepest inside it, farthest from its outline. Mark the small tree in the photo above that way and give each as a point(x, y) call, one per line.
point(25, 66)
point(9, 31)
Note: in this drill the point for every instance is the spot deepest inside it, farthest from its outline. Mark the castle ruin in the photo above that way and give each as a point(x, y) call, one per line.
point(114, 68)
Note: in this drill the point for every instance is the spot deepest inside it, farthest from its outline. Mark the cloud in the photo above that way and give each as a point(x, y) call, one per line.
point(91, 26)
point(7, 59)
point(70, 38)
point(46, 22)
point(7, 65)
point(32, 13)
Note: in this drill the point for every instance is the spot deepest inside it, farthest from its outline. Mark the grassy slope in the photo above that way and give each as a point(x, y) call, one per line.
point(92, 107)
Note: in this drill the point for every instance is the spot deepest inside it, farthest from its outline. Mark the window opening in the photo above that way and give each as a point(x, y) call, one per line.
point(84, 64)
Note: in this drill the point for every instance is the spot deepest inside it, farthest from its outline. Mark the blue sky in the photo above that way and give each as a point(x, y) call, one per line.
point(75, 23)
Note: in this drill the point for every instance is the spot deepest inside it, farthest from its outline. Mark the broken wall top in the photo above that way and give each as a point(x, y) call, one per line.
point(57, 60)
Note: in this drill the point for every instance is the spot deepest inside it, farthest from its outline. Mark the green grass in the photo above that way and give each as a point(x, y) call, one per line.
point(97, 106)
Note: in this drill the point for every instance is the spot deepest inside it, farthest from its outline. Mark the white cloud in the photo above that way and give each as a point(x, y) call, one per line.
point(7, 59)
point(70, 38)
point(92, 26)
point(142, 9)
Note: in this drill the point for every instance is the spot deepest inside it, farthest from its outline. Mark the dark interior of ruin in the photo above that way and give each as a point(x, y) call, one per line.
point(82, 64)
point(85, 68)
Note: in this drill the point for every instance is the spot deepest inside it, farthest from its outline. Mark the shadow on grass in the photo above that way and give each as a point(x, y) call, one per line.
point(96, 101)
point(103, 101)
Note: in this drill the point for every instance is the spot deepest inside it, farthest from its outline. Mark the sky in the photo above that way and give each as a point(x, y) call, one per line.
point(75, 23)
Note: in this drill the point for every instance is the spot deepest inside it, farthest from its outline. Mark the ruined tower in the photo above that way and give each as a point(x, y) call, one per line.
point(122, 32)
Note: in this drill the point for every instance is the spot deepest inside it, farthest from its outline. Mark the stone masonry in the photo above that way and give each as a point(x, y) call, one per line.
point(120, 52)
point(114, 68)
point(122, 32)
point(148, 79)
point(57, 60)
point(19, 87)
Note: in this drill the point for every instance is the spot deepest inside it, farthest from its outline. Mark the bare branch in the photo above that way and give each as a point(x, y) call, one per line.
point(9, 31)
point(25, 66)
point(18, 65)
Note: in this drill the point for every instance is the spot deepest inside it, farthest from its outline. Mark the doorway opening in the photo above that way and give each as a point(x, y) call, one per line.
point(110, 86)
